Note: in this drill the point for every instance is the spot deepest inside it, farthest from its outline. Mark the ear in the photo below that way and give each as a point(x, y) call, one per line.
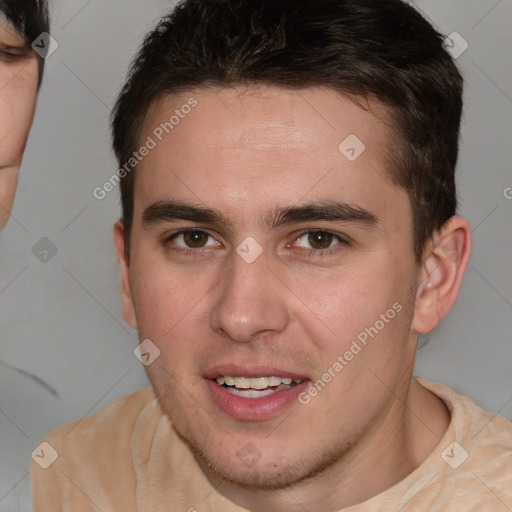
point(124, 276)
point(444, 263)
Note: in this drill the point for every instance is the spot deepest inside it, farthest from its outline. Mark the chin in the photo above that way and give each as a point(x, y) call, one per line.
point(273, 471)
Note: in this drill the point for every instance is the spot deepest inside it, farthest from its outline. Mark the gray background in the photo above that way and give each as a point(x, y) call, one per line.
point(61, 321)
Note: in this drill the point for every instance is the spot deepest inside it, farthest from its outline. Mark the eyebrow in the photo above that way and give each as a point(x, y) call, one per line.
point(331, 211)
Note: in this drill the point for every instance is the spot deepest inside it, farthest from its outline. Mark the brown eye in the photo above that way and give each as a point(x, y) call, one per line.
point(321, 243)
point(189, 239)
point(195, 239)
point(320, 239)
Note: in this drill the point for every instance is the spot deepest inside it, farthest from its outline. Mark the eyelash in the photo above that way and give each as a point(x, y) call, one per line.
point(309, 254)
point(11, 57)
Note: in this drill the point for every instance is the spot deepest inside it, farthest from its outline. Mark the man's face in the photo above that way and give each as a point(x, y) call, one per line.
point(292, 311)
point(18, 91)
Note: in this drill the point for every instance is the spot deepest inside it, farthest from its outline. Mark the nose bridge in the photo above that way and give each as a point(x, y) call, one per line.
point(249, 300)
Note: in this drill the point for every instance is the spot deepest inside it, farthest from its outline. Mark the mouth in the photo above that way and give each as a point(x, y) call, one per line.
point(256, 387)
point(254, 393)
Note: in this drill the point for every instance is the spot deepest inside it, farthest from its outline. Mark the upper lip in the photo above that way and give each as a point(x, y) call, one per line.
point(249, 371)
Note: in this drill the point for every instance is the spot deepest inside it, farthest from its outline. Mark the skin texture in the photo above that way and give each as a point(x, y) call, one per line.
point(18, 92)
point(245, 152)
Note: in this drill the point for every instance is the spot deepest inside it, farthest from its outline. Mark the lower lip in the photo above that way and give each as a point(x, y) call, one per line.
point(255, 409)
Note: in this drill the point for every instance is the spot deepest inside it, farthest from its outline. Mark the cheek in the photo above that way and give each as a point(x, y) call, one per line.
point(365, 320)
point(17, 106)
point(342, 304)
point(168, 301)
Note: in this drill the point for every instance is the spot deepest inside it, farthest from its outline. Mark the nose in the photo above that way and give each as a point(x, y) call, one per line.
point(250, 301)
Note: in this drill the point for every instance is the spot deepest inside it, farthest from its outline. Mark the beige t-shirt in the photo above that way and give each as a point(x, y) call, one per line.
point(127, 458)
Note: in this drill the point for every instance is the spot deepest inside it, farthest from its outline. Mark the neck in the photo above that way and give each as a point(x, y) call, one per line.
point(392, 448)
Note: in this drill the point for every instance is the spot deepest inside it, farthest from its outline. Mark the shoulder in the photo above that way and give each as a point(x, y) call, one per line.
point(471, 422)
point(109, 426)
point(89, 451)
point(476, 456)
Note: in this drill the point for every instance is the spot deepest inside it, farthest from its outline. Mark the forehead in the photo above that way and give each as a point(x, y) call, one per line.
point(254, 116)
point(261, 144)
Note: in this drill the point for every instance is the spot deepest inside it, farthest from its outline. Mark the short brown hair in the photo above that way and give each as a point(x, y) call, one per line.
point(384, 50)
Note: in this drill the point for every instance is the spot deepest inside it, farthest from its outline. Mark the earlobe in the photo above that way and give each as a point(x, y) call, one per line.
point(124, 275)
point(441, 275)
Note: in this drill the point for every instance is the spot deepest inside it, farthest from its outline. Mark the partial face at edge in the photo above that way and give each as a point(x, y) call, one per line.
point(294, 310)
point(18, 91)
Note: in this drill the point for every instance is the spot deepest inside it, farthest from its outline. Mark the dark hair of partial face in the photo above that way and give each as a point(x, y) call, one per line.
point(30, 18)
point(368, 50)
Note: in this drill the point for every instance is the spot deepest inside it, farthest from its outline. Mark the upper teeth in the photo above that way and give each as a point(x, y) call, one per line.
point(254, 382)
